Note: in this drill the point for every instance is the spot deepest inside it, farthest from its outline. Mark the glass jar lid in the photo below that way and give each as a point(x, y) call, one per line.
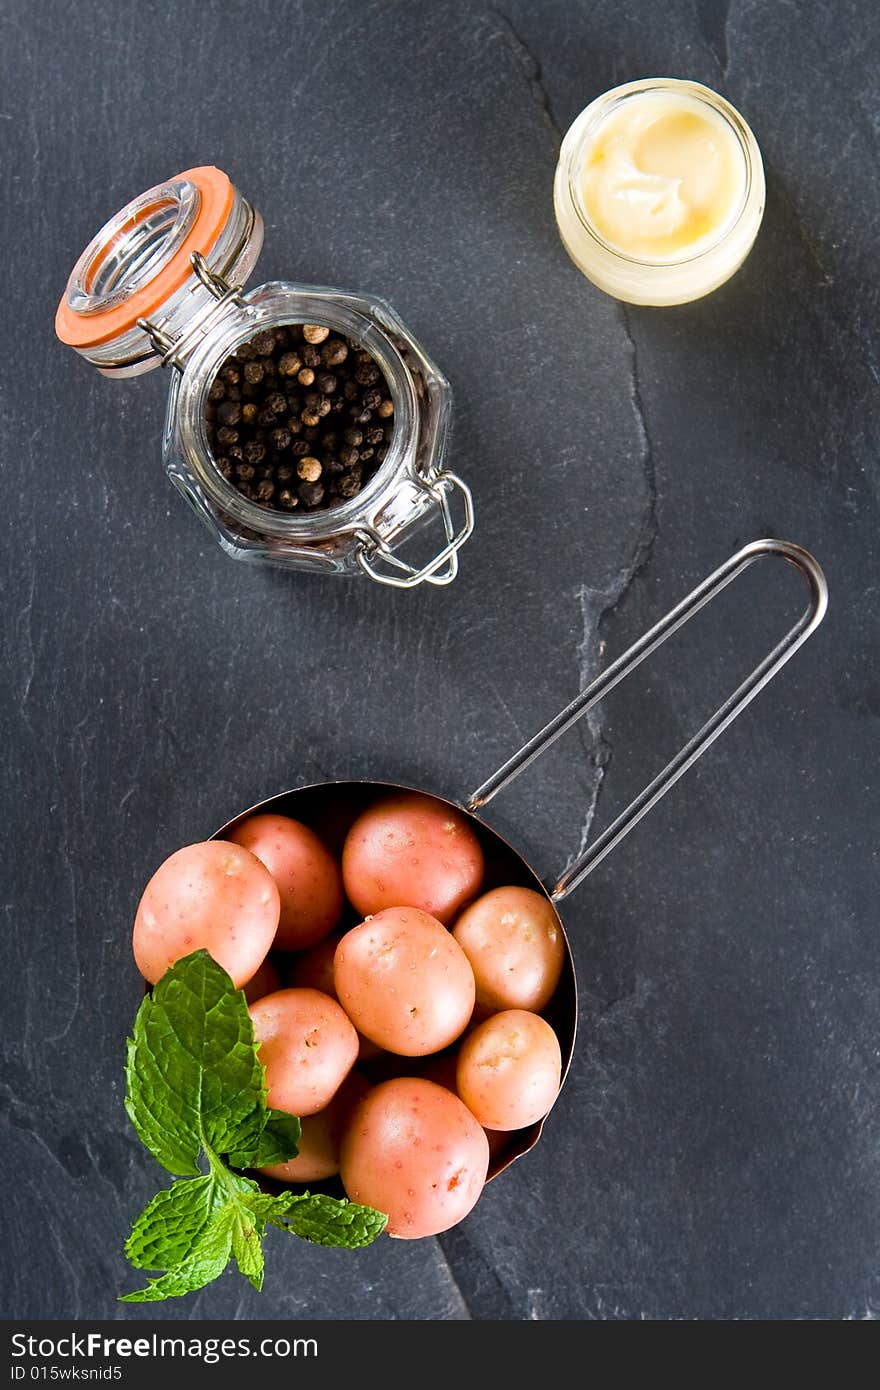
point(139, 273)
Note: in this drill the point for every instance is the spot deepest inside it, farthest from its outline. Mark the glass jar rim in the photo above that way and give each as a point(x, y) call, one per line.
point(196, 381)
point(585, 124)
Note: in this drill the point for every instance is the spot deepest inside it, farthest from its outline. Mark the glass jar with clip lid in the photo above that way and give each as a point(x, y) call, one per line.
point(161, 284)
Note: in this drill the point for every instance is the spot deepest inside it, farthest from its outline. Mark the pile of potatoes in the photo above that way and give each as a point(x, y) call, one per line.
point(411, 1044)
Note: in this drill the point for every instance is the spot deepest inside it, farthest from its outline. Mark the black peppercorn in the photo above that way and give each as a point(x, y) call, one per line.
point(367, 375)
point(289, 364)
point(254, 451)
point(311, 494)
point(385, 409)
point(349, 456)
point(264, 343)
point(230, 372)
point(265, 490)
point(280, 438)
point(311, 357)
point(217, 390)
point(253, 373)
point(326, 383)
point(354, 437)
point(229, 412)
point(226, 436)
point(334, 352)
point(375, 435)
point(349, 485)
point(245, 471)
point(287, 499)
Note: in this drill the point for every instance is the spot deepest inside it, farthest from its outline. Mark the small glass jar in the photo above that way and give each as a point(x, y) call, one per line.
point(161, 284)
point(690, 273)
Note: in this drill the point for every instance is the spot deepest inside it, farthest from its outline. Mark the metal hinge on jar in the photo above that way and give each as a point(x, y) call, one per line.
point(175, 350)
point(439, 487)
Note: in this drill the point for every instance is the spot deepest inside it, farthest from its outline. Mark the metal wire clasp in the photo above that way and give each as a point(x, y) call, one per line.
point(174, 351)
point(439, 486)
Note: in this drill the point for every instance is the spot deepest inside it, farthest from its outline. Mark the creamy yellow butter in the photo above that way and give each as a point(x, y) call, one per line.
point(662, 176)
point(659, 191)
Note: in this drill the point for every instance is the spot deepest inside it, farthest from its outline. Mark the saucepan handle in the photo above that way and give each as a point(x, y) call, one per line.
point(734, 705)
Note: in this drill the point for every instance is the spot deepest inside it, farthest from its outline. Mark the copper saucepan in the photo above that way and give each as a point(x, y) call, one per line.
point(505, 865)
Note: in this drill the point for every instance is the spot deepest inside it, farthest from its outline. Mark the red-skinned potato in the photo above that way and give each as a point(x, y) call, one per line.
point(514, 943)
point(308, 1046)
point(404, 981)
point(414, 1151)
point(308, 877)
point(215, 896)
point(509, 1070)
point(318, 1156)
point(414, 849)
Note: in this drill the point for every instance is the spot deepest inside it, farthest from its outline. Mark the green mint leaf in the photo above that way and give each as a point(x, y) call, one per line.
point(330, 1220)
point(208, 1256)
point(167, 1229)
point(193, 1077)
point(276, 1144)
point(247, 1247)
point(196, 1093)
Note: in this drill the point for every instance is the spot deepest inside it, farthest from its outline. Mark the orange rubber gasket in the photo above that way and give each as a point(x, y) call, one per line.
point(90, 330)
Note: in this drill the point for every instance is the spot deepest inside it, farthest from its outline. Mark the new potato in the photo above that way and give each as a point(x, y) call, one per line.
point(214, 896)
point(308, 1046)
point(509, 1070)
point(404, 981)
point(308, 877)
point(513, 940)
point(414, 850)
point(413, 1150)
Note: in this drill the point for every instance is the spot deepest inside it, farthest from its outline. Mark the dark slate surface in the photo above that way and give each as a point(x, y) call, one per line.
point(715, 1152)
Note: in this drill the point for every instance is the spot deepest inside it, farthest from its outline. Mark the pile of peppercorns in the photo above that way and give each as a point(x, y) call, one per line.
point(299, 419)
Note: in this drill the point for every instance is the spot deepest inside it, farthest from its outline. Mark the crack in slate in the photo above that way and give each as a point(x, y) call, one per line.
point(599, 605)
point(487, 1298)
point(530, 67)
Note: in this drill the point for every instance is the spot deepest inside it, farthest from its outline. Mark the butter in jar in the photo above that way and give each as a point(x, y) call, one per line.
point(659, 191)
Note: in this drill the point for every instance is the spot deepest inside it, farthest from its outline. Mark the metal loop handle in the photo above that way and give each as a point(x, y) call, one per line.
point(438, 487)
point(773, 662)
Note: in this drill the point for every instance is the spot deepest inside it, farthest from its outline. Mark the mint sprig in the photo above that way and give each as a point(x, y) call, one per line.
point(196, 1094)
